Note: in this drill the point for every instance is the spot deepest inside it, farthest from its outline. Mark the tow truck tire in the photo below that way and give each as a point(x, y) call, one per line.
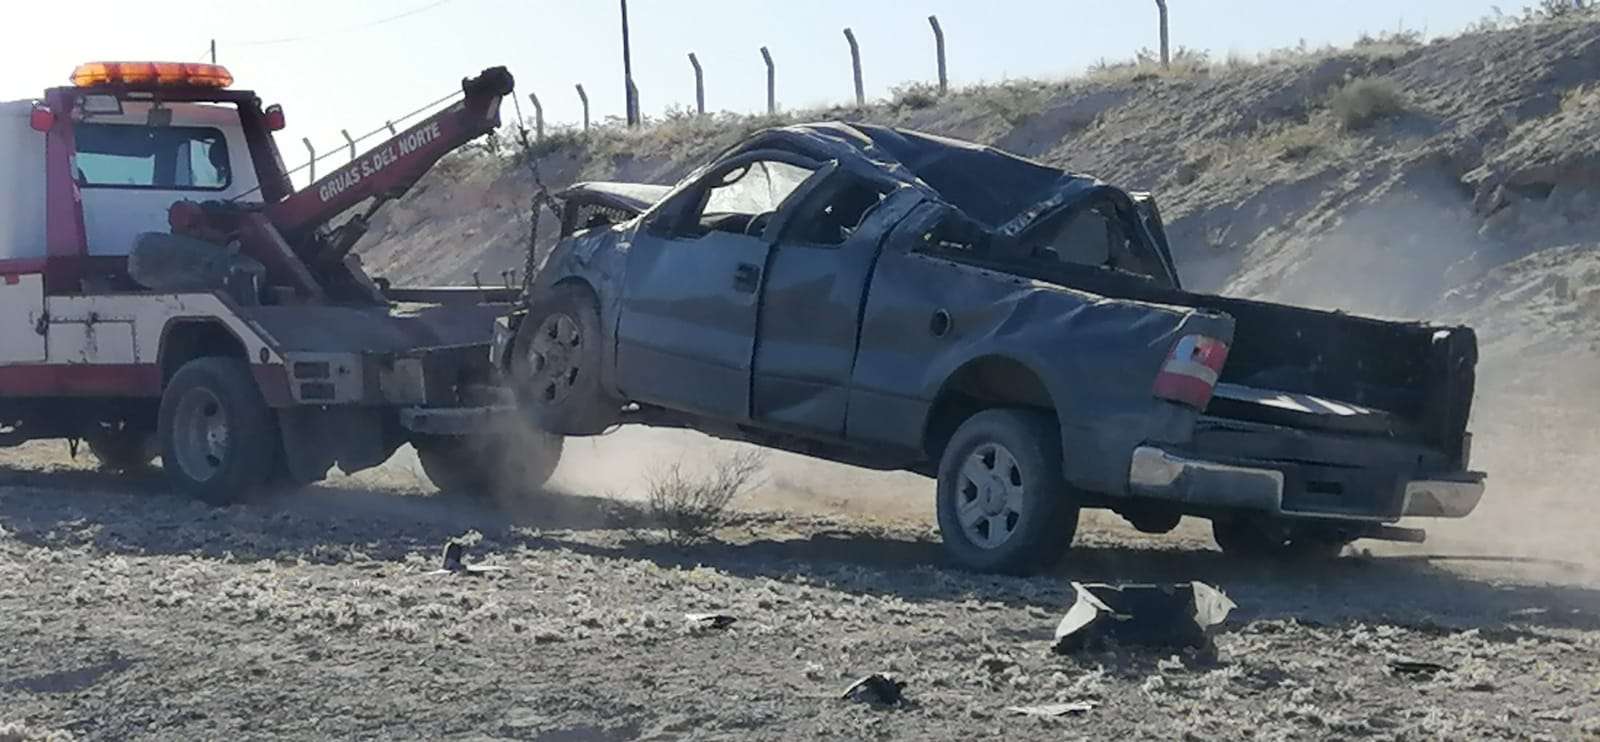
point(1253, 538)
point(123, 448)
point(1003, 504)
point(506, 469)
point(219, 440)
point(556, 361)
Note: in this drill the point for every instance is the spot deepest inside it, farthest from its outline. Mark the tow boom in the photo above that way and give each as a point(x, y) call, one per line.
point(390, 169)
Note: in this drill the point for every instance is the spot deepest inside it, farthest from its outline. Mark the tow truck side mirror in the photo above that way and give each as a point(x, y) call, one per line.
point(41, 118)
point(274, 118)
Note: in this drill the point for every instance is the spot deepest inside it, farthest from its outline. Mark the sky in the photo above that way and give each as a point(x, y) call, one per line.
point(352, 64)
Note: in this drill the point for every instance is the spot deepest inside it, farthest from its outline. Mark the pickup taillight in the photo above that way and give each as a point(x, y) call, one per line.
point(1191, 370)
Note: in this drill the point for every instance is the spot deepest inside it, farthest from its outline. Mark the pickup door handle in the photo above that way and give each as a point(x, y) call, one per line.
point(747, 278)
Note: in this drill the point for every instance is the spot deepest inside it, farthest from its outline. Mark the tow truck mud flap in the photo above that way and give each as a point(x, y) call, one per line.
point(316, 439)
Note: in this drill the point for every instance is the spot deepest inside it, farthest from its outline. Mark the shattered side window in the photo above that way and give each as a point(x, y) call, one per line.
point(756, 188)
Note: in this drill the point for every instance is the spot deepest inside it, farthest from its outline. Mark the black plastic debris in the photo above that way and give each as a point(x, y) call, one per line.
point(454, 562)
point(1409, 666)
point(1170, 616)
point(877, 689)
point(1051, 710)
point(710, 620)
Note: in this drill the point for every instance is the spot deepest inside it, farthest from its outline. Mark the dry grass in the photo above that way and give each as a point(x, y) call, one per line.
point(691, 507)
point(1363, 102)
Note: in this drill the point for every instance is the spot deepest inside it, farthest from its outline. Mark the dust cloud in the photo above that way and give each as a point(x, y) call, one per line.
point(1535, 415)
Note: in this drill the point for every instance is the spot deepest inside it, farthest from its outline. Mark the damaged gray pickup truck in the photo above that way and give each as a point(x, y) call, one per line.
point(895, 300)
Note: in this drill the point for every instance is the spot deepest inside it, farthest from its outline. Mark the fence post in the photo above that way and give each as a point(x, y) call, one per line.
point(538, 118)
point(312, 152)
point(1166, 56)
point(938, 45)
point(699, 85)
point(349, 141)
point(772, 83)
point(585, 97)
point(855, 62)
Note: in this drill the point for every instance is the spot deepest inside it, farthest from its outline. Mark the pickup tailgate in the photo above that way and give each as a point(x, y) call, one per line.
point(1316, 370)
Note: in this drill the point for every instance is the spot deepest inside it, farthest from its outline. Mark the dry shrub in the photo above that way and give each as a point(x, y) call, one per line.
point(914, 96)
point(1363, 102)
point(689, 506)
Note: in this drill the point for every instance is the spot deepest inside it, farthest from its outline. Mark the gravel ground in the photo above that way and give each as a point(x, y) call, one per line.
point(130, 613)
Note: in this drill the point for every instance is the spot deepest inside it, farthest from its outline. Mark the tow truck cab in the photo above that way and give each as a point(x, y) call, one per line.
point(154, 169)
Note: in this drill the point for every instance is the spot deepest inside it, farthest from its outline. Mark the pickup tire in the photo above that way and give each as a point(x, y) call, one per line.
point(555, 364)
point(1003, 504)
point(219, 440)
point(1258, 539)
point(503, 468)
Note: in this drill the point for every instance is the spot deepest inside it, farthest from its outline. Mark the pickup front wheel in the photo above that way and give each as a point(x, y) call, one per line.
point(1003, 503)
point(555, 364)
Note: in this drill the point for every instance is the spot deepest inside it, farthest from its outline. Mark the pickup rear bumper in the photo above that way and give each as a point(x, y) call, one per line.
point(1159, 474)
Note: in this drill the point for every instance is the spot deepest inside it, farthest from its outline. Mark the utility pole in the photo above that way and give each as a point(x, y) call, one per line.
point(1166, 54)
point(938, 45)
point(627, 70)
point(213, 51)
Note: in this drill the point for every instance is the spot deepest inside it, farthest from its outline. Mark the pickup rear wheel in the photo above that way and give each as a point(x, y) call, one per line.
point(1003, 503)
point(506, 468)
point(1266, 539)
point(555, 364)
point(219, 440)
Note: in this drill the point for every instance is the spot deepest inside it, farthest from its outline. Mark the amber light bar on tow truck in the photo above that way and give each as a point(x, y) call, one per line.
point(1190, 373)
point(162, 74)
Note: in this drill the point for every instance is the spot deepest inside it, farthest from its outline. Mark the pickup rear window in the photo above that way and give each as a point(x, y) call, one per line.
point(169, 158)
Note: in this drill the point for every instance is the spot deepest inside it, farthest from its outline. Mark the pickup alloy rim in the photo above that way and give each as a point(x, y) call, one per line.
point(200, 429)
point(554, 357)
point(989, 492)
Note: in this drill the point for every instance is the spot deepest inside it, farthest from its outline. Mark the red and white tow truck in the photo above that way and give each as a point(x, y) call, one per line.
point(164, 291)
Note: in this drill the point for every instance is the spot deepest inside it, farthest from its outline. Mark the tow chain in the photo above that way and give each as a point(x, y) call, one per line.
point(541, 198)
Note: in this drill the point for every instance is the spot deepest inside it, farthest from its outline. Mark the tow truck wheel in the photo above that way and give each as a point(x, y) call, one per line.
point(1004, 505)
point(555, 364)
point(1256, 538)
point(123, 447)
point(506, 468)
point(219, 441)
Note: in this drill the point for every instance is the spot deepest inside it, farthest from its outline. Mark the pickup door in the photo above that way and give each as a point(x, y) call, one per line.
point(742, 314)
point(687, 329)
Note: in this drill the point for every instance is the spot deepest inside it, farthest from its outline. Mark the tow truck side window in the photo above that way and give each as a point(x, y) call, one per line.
point(168, 158)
